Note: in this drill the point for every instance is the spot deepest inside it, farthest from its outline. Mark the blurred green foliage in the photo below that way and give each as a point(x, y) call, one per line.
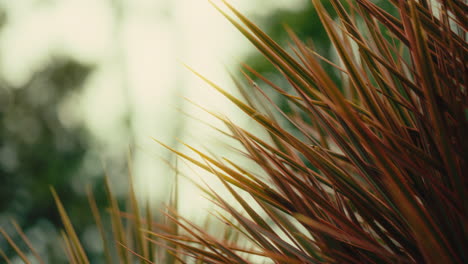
point(42, 145)
point(39, 147)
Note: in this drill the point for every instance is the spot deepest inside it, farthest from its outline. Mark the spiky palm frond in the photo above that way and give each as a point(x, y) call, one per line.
point(378, 172)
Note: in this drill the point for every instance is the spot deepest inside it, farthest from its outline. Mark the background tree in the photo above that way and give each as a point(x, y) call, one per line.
point(42, 144)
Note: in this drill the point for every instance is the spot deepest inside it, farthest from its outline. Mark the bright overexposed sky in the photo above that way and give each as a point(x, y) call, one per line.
point(138, 55)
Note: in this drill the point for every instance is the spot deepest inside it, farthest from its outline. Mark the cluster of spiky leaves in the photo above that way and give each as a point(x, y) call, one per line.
point(369, 170)
point(378, 172)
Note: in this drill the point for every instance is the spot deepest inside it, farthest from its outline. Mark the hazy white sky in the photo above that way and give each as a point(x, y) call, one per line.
point(138, 60)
